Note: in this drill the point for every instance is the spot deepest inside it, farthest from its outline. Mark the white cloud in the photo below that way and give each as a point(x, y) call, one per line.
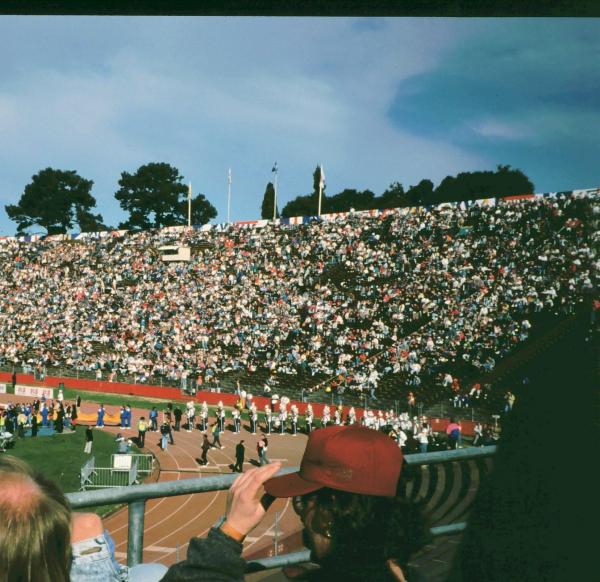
point(495, 128)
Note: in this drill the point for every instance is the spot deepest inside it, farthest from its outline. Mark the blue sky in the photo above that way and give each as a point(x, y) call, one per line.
point(373, 100)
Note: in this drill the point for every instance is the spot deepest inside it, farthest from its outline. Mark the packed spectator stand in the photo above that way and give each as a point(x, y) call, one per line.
point(378, 304)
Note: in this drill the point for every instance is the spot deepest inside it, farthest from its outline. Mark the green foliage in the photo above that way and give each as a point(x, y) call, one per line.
point(266, 210)
point(421, 195)
point(300, 206)
point(475, 185)
point(54, 200)
point(348, 199)
point(393, 197)
point(155, 196)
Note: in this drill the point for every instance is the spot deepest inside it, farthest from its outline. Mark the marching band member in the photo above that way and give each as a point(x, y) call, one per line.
point(309, 418)
point(221, 415)
point(351, 416)
point(381, 422)
point(268, 418)
point(282, 415)
point(253, 418)
point(364, 418)
point(337, 415)
point(204, 416)
point(326, 418)
point(235, 414)
point(191, 415)
point(294, 418)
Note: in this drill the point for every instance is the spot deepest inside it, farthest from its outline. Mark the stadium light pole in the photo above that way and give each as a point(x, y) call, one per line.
point(228, 195)
point(190, 204)
point(276, 171)
point(321, 184)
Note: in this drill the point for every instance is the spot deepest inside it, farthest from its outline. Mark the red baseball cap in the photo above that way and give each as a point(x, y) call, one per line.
point(346, 458)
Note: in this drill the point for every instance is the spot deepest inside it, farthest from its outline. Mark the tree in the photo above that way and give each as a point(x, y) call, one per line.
point(54, 200)
point(350, 198)
point(266, 210)
point(202, 210)
point(393, 197)
point(300, 206)
point(307, 205)
point(505, 181)
point(421, 195)
point(155, 196)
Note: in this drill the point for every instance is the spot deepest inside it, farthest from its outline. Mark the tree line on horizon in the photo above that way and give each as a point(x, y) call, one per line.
point(155, 196)
point(465, 186)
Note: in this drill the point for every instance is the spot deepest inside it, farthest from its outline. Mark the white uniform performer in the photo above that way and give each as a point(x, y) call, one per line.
point(381, 422)
point(326, 418)
point(253, 417)
point(309, 418)
point(235, 414)
point(364, 420)
point(191, 415)
point(351, 416)
point(402, 438)
point(294, 419)
point(204, 416)
point(282, 416)
point(221, 415)
point(337, 416)
point(268, 418)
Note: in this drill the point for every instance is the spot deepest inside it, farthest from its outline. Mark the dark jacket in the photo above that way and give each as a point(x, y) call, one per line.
point(215, 558)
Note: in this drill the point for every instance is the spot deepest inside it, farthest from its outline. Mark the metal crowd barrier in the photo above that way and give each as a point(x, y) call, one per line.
point(136, 498)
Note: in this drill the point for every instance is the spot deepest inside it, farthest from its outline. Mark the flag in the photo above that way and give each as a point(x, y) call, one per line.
point(322, 179)
point(274, 167)
point(229, 176)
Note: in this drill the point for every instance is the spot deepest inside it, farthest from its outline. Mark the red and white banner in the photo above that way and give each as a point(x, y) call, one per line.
point(34, 391)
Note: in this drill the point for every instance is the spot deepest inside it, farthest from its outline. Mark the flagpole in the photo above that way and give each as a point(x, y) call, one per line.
point(190, 204)
point(275, 197)
point(321, 182)
point(228, 194)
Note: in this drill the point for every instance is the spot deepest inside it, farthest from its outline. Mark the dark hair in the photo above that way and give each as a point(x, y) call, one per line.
point(367, 530)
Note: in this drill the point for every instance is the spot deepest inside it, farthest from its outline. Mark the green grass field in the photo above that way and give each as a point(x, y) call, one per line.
point(60, 457)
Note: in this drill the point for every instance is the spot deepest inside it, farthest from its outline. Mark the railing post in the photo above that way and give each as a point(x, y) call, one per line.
point(135, 535)
point(276, 533)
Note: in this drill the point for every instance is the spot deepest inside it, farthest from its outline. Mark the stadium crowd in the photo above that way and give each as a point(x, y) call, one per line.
point(422, 297)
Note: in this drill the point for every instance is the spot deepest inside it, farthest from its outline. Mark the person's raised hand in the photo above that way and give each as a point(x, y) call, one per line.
point(244, 507)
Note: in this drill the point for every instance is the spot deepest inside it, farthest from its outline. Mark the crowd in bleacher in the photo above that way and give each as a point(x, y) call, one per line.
point(421, 296)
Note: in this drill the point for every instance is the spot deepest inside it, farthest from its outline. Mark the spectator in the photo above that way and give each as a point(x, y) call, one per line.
point(89, 440)
point(356, 524)
point(453, 433)
point(42, 541)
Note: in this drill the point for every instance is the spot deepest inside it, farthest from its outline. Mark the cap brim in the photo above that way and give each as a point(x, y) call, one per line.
point(290, 485)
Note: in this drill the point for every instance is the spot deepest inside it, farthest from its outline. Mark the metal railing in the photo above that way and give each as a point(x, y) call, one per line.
point(145, 462)
point(117, 475)
point(136, 498)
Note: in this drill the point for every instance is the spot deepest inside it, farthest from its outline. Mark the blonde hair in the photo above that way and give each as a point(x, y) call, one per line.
point(35, 526)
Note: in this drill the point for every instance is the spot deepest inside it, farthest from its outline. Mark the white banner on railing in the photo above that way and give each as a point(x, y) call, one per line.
point(34, 391)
